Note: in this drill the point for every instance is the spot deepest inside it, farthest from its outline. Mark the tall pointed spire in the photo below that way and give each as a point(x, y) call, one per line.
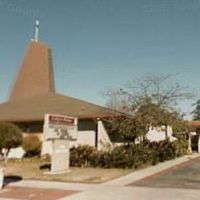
point(36, 75)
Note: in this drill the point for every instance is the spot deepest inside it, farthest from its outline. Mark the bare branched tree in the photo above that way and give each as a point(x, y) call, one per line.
point(160, 89)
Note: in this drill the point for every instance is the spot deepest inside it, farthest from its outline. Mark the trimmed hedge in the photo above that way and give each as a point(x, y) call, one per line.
point(127, 156)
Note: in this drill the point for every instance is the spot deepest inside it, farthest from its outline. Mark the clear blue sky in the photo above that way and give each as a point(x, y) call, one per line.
point(101, 44)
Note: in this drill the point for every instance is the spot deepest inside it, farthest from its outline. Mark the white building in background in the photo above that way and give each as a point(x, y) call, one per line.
point(160, 133)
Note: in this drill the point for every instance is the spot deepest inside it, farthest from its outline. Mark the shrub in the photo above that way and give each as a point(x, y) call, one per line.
point(46, 158)
point(127, 155)
point(161, 151)
point(31, 145)
point(181, 147)
point(10, 137)
point(82, 156)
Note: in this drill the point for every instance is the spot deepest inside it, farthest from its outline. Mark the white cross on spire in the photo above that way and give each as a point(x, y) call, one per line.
point(36, 30)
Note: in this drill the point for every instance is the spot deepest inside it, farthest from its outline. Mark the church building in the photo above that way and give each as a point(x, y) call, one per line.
point(33, 95)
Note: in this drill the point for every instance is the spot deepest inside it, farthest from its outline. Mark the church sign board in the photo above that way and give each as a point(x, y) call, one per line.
point(60, 130)
point(60, 127)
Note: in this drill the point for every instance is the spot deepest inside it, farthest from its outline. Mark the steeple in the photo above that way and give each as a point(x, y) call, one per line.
point(35, 76)
point(37, 23)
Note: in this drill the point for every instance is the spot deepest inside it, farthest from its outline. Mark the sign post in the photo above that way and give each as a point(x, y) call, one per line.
point(60, 130)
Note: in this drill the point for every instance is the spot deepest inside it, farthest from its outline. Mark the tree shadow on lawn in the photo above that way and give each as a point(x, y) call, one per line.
point(11, 179)
point(45, 167)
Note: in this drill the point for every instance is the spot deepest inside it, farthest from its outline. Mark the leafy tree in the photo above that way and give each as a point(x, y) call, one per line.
point(150, 101)
point(10, 137)
point(148, 115)
point(181, 128)
point(124, 127)
point(196, 111)
point(153, 115)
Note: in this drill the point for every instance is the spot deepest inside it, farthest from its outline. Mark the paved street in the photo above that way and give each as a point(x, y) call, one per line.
point(126, 187)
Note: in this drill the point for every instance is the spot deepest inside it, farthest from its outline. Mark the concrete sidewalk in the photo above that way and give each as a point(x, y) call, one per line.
point(54, 185)
point(117, 189)
point(135, 193)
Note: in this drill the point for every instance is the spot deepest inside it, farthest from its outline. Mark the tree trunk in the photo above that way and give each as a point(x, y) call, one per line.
point(166, 132)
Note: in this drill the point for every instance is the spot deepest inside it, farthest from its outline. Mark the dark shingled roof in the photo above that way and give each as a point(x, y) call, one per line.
point(34, 109)
point(34, 95)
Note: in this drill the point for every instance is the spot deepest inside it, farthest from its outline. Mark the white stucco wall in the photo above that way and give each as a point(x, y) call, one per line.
point(86, 138)
point(103, 138)
point(16, 153)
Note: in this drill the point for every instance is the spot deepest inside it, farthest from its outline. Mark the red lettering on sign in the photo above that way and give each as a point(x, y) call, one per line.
point(53, 119)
